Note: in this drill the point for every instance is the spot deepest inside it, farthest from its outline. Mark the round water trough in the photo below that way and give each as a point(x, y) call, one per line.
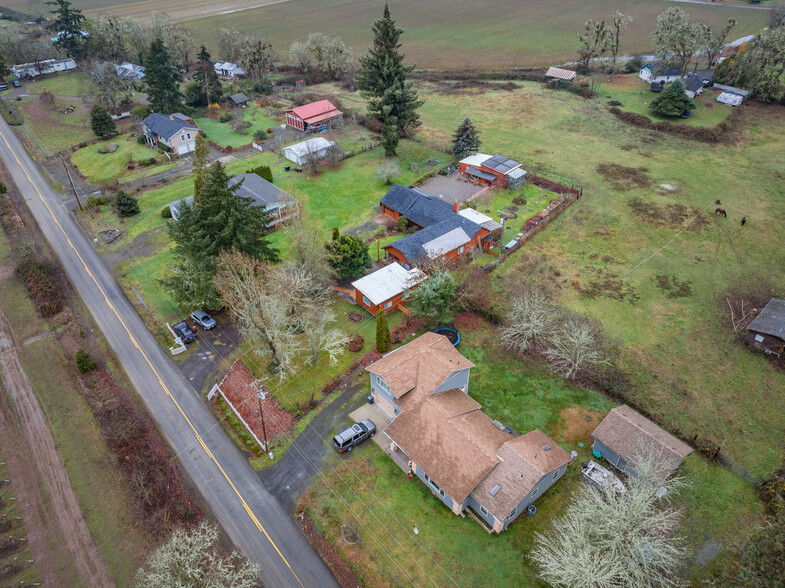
point(451, 334)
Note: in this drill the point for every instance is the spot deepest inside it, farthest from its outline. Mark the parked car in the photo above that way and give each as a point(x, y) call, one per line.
point(184, 332)
point(354, 435)
point(203, 319)
point(17, 84)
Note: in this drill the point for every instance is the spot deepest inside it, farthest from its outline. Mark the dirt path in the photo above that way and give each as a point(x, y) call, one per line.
point(38, 474)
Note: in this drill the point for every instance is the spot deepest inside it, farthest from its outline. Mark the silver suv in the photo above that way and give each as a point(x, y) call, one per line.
point(354, 435)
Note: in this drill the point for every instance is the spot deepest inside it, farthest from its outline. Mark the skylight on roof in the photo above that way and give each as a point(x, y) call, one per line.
point(495, 489)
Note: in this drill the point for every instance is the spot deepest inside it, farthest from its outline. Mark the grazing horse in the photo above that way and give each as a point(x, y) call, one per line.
point(721, 211)
point(743, 221)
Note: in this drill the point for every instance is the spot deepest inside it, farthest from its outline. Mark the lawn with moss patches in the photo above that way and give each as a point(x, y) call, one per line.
point(102, 167)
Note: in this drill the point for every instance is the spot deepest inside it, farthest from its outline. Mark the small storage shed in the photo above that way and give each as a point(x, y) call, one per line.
point(239, 99)
point(624, 434)
point(299, 153)
point(767, 330)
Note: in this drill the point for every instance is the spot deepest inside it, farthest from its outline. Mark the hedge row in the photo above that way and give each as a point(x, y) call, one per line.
point(706, 135)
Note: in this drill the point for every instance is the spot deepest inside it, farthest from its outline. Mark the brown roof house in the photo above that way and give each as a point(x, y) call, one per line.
point(470, 462)
point(767, 330)
point(624, 434)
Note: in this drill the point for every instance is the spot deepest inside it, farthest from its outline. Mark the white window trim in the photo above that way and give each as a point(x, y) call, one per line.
point(460, 249)
point(366, 301)
point(188, 135)
point(388, 304)
point(182, 137)
point(556, 474)
point(483, 510)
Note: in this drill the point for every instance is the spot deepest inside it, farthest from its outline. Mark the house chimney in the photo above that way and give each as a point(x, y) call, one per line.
point(171, 117)
point(456, 206)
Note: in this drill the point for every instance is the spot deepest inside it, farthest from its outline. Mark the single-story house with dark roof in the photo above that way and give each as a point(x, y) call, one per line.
point(421, 209)
point(624, 435)
point(693, 86)
point(239, 99)
point(767, 330)
point(498, 170)
point(387, 288)
point(279, 205)
point(177, 131)
point(705, 75)
point(659, 72)
point(444, 241)
point(470, 462)
point(314, 116)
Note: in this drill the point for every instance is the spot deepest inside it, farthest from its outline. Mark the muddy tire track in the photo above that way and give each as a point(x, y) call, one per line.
point(46, 497)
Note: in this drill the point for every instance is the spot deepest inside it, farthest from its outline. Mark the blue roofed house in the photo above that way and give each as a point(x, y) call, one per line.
point(470, 462)
point(177, 131)
point(421, 209)
point(279, 205)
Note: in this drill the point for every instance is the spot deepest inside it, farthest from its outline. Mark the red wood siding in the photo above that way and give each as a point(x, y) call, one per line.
point(295, 121)
point(373, 308)
point(500, 181)
point(449, 256)
point(390, 212)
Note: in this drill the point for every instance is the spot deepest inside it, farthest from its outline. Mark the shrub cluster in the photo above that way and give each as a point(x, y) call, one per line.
point(41, 280)
point(704, 134)
point(84, 363)
point(166, 212)
point(225, 117)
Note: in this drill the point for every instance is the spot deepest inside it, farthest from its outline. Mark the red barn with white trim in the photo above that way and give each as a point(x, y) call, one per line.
point(312, 117)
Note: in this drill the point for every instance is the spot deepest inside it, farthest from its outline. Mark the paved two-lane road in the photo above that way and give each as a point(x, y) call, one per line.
point(253, 519)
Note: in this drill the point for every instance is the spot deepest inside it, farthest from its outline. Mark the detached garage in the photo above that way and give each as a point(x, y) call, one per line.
point(315, 149)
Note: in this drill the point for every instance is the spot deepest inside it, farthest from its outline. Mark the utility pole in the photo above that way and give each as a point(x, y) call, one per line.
point(264, 431)
point(72, 184)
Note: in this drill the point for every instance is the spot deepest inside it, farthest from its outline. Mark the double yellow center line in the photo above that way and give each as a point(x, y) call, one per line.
point(198, 437)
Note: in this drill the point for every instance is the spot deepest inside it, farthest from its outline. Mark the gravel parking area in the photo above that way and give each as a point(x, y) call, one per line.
point(454, 188)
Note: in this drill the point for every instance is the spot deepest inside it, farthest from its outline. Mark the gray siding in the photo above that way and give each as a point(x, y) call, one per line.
point(383, 391)
point(440, 494)
point(477, 508)
point(542, 486)
point(613, 459)
point(459, 379)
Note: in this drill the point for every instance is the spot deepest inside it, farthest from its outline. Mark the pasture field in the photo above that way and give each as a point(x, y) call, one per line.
point(668, 317)
point(50, 129)
point(61, 84)
point(439, 33)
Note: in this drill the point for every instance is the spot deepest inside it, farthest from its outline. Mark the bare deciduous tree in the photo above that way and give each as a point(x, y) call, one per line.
point(388, 169)
point(532, 318)
point(574, 345)
point(190, 557)
point(605, 541)
point(284, 310)
point(307, 239)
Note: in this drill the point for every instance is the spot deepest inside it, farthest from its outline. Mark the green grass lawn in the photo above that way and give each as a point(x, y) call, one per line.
point(636, 96)
point(224, 135)
point(61, 84)
point(103, 167)
point(50, 129)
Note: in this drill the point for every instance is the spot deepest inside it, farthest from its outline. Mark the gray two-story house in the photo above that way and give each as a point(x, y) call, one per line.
point(470, 462)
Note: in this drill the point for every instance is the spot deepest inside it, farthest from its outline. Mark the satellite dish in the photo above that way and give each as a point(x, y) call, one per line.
point(574, 454)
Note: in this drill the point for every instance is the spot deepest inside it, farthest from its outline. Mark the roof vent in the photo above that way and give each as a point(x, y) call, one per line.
point(546, 447)
point(495, 489)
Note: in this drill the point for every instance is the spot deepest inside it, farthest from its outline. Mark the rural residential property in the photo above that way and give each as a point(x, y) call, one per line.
point(349, 293)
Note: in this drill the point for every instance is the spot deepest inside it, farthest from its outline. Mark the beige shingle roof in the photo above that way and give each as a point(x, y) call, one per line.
point(419, 367)
point(523, 463)
point(451, 439)
point(626, 432)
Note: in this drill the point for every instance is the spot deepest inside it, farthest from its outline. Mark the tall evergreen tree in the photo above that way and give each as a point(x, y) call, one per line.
point(162, 79)
point(466, 140)
point(101, 122)
point(221, 221)
point(383, 339)
point(68, 25)
point(673, 101)
point(200, 161)
point(126, 204)
point(382, 81)
point(206, 80)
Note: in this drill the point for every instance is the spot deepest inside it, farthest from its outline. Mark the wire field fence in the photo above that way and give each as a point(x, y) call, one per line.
point(737, 469)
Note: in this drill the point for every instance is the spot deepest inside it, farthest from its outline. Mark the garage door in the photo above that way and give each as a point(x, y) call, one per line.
point(182, 149)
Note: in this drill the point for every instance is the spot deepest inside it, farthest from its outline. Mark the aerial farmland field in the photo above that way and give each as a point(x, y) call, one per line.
point(439, 33)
